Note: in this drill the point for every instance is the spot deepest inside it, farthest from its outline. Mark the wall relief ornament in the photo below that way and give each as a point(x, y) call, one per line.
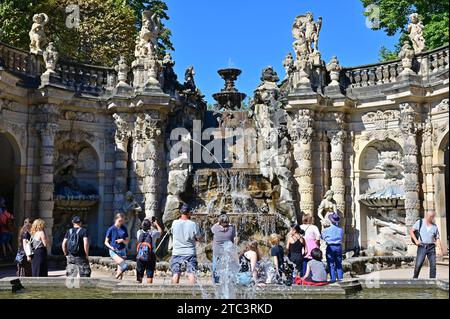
point(80, 116)
point(380, 119)
point(441, 107)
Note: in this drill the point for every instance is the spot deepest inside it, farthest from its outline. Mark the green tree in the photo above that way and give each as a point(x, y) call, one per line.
point(107, 28)
point(394, 18)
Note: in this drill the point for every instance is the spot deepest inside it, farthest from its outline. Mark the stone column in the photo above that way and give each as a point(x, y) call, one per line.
point(427, 154)
point(337, 174)
point(121, 137)
point(303, 124)
point(152, 180)
point(409, 127)
point(47, 128)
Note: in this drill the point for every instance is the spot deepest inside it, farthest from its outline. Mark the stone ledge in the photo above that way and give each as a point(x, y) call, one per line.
point(365, 265)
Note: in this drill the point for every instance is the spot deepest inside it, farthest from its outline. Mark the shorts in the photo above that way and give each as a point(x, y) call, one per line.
point(179, 264)
point(147, 267)
point(121, 253)
point(77, 265)
point(5, 238)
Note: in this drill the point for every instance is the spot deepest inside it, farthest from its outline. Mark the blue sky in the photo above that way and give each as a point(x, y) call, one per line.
point(252, 34)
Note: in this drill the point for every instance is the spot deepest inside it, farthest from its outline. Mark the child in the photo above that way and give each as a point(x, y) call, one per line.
point(277, 255)
point(316, 273)
point(146, 261)
point(333, 237)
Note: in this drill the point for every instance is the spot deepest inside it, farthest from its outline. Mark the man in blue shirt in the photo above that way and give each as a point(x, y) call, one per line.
point(333, 237)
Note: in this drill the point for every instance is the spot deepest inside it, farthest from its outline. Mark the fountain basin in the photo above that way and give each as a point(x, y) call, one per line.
point(101, 288)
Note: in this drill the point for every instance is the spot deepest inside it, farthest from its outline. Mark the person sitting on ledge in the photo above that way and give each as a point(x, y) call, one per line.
point(316, 273)
point(116, 240)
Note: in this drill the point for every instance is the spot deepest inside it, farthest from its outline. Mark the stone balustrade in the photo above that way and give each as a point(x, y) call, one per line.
point(98, 80)
point(84, 78)
point(426, 64)
point(372, 74)
point(21, 63)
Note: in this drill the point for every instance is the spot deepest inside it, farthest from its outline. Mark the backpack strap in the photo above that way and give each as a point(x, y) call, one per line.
point(420, 228)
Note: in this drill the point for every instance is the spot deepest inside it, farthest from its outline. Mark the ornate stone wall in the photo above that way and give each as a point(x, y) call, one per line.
point(335, 120)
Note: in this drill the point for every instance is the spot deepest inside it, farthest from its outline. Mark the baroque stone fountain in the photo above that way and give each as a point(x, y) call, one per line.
point(232, 180)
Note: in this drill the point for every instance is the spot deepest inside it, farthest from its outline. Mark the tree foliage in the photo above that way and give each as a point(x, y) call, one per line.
point(394, 18)
point(107, 28)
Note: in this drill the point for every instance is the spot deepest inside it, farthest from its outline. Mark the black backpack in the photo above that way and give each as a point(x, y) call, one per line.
point(73, 241)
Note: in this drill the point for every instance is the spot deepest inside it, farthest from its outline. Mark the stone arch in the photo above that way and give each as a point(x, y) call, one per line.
point(441, 186)
point(12, 175)
point(77, 182)
point(378, 159)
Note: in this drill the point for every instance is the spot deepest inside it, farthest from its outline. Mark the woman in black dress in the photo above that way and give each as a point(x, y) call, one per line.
point(24, 267)
point(296, 248)
point(39, 245)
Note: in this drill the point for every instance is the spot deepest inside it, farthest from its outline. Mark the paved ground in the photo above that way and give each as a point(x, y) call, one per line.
point(442, 273)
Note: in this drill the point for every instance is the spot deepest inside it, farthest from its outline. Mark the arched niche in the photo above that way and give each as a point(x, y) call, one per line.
point(442, 186)
point(380, 198)
point(76, 179)
point(11, 176)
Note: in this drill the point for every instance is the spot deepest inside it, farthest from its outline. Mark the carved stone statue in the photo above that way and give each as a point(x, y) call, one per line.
point(131, 209)
point(407, 55)
point(147, 41)
point(50, 57)
point(327, 207)
point(335, 70)
point(189, 82)
point(415, 30)
point(288, 64)
point(180, 169)
point(283, 172)
point(307, 30)
point(38, 38)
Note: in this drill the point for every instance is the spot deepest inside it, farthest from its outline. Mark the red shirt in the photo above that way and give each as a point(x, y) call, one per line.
point(5, 219)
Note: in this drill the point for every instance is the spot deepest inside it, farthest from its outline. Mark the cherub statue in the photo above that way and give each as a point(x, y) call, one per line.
point(305, 27)
point(415, 30)
point(327, 207)
point(38, 39)
point(50, 57)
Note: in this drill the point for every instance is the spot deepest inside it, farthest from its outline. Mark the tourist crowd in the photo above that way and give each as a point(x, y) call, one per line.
point(298, 261)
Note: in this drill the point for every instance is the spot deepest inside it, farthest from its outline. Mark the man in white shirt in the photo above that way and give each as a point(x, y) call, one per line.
point(425, 235)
